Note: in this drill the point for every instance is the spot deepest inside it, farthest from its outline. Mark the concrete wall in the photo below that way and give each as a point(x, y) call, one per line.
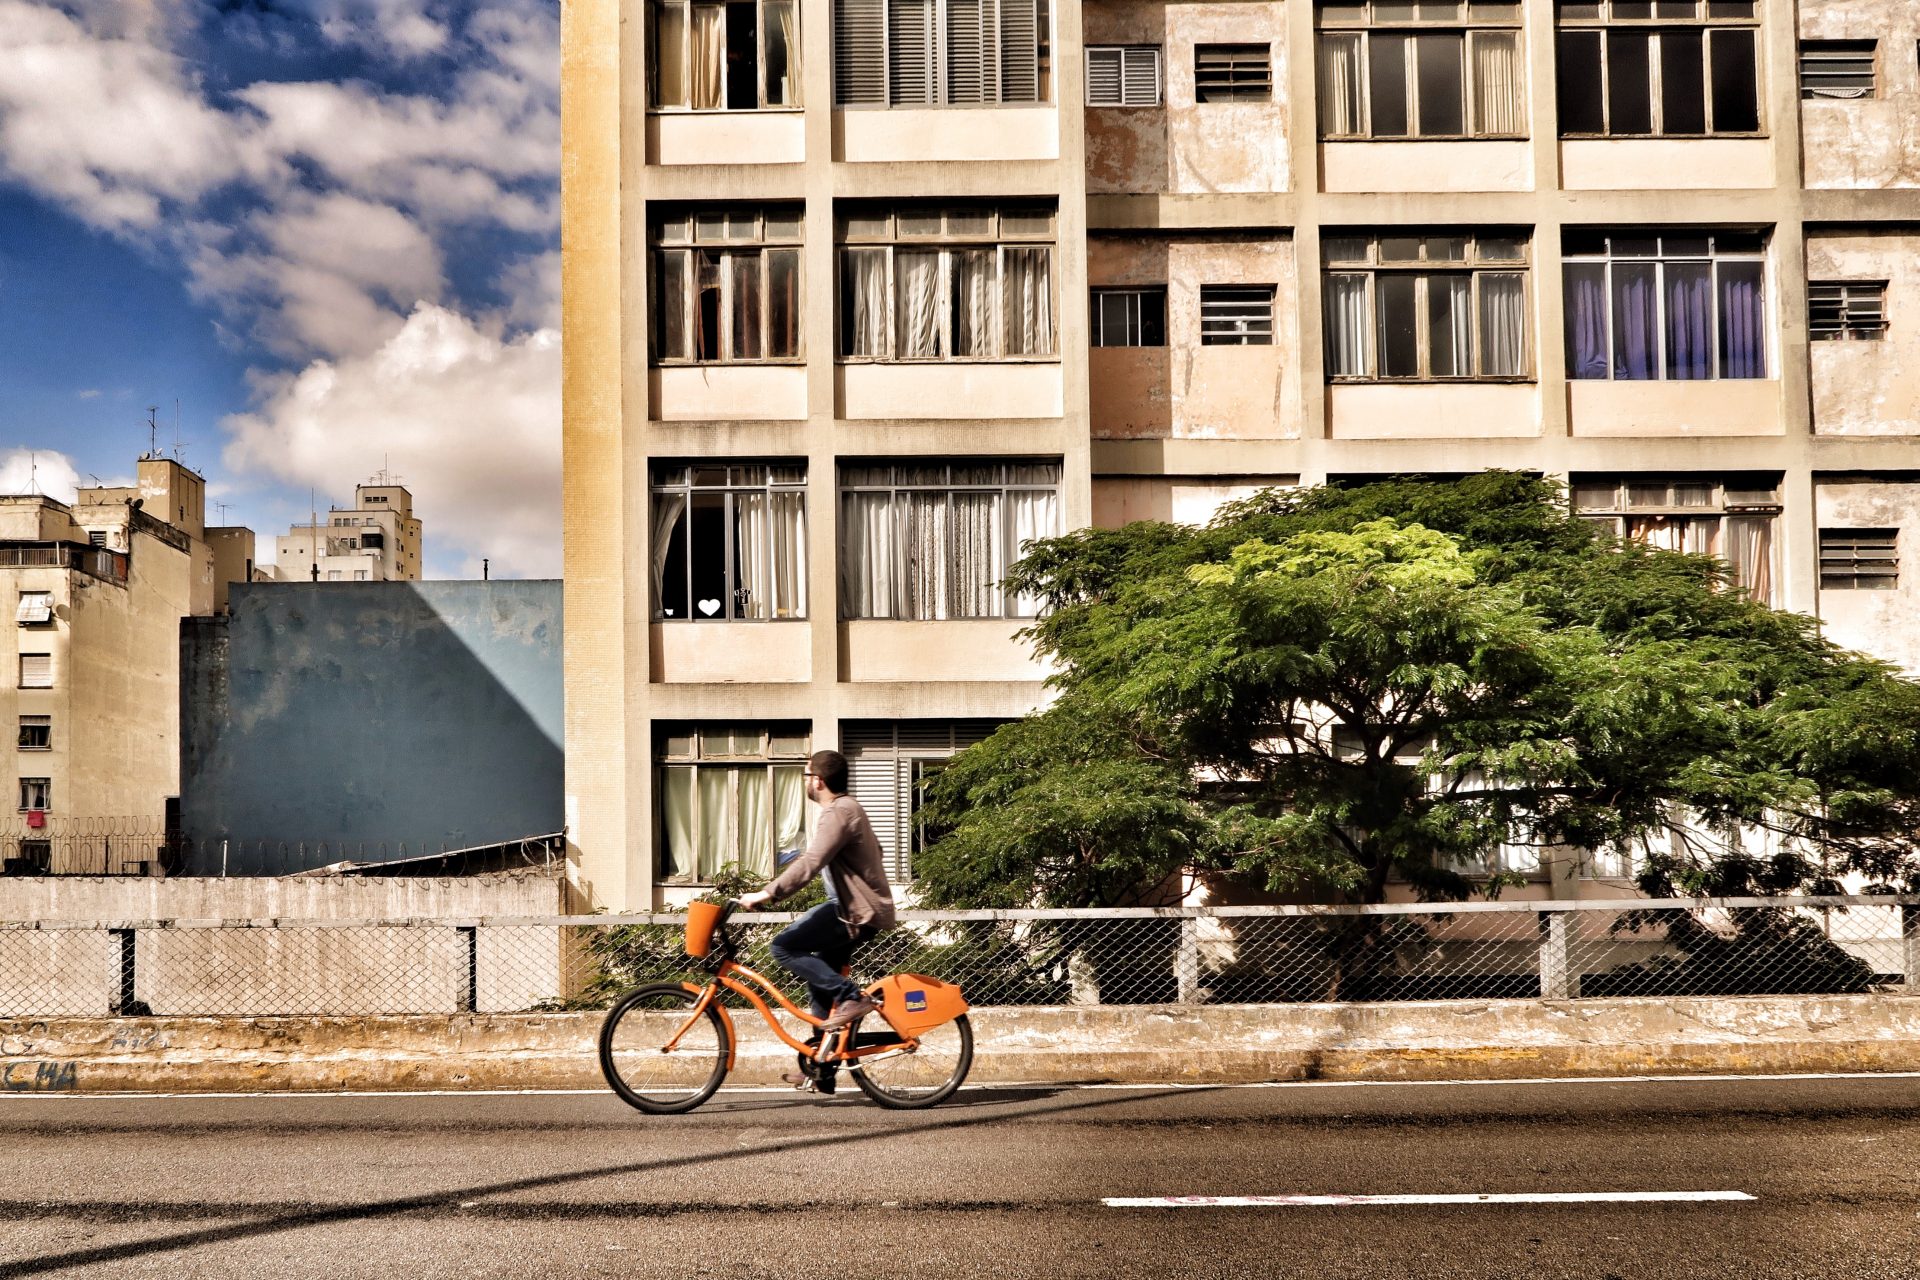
point(1869, 388)
point(1865, 143)
point(1875, 621)
point(363, 714)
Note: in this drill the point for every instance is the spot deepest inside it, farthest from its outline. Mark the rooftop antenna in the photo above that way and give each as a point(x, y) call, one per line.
point(33, 473)
point(223, 513)
point(153, 431)
point(179, 454)
point(313, 527)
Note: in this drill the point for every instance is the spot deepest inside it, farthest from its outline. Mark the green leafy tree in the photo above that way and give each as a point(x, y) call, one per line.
point(1329, 687)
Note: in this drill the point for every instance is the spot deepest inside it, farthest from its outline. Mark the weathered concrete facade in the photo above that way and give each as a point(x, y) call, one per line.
point(1243, 154)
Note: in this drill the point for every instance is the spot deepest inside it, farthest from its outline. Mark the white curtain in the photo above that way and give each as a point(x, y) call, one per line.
point(753, 572)
point(972, 289)
point(676, 821)
point(666, 512)
point(1503, 324)
point(1036, 515)
point(715, 832)
point(1029, 301)
point(670, 55)
point(867, 554)
point(928, 547)
point(1750, 553)
point(1346, 336)
point(789, 555)
point(789, 809)
point(1496, 83)
point(709, 55)
point(753, 843)
point(917, 303)
point(1339, 75)
point(978, 556)
point(783, 54)
point(864, 298)
point(1450, 325)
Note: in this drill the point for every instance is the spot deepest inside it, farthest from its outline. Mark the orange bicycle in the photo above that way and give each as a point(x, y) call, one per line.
point(665, 1048)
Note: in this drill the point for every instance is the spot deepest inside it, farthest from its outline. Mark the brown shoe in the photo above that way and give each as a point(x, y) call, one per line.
point(848, 1012)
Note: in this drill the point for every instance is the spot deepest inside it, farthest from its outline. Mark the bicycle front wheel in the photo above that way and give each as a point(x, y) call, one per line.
point(635, 1058)
point(929, 1074)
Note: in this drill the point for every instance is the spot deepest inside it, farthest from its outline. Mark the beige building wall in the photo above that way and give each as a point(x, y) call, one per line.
point(338, 546)
point(1865, 144)
point(1876, 621)
point(1869, 387)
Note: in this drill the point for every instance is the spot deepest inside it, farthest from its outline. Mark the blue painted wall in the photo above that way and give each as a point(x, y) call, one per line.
point(365, 715)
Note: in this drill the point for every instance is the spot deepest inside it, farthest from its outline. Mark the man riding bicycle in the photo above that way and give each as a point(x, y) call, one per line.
point(859, 903)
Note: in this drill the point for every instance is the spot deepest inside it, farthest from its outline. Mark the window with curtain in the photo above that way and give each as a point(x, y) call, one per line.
point(1426, 70)
point(1728, 517)
point(726, 285)
point(1130, 317)
point(1680, 305)
point(937, 283)
point(1426, 307)
point(36, 793)
point(738, 56)
point(904, 53)
point(929, 541)
point(730, 796)
point(729, 542)
point(1658, 68)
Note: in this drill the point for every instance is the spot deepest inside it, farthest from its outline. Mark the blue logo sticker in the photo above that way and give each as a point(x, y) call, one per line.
point(916, 1002)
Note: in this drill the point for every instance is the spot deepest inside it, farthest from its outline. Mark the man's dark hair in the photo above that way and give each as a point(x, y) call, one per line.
point(831, 768)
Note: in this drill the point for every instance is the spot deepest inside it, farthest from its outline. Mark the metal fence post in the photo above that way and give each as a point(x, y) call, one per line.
point(1186, 963)
point(1910, 945)
point(467, 994)
point(1557, 979)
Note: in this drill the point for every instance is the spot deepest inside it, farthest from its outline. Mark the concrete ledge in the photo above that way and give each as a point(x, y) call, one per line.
point(1491, 1040)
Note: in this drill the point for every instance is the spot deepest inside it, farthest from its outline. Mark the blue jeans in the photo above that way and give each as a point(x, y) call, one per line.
point(814, 949)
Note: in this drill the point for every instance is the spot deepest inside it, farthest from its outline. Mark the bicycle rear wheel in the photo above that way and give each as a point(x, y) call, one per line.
point(928, 1075)
point(635, 1059)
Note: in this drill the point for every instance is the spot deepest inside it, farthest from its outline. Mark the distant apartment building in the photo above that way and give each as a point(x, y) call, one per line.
point(97, 590)
point(375, 540)
point(864, 294)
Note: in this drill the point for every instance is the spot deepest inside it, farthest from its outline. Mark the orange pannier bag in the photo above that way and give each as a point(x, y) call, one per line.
point(912, 1002)
point(701, 917)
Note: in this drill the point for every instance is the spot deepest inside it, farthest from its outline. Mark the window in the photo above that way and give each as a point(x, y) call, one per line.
point(35, 607)
point(36, 671)
point(931, 541)
point(1661, 304)
point(97, 537)
point(1659, 68)
point(36, 794)
point(1426, 306)
point(1732, 519)
point(731, 795)
point(726, 286)
point(889, 766)
point(725, 57)
point(730, 542)
point(360, 575)
point(35, 858)
point(1232, 73)
point(1123, 75)
point(941, 52)
point(1432, 70)
point(1860, 559)
point(1130, 317)
point(1847, 309)
point(1837, 68)
point(971, 283)
point(36, 733)
point(1236, 315)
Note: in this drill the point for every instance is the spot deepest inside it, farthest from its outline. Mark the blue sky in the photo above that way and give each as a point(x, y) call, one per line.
point(327, 230)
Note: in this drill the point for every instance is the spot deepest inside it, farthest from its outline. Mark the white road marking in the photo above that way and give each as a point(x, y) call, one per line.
point(1496, 1197)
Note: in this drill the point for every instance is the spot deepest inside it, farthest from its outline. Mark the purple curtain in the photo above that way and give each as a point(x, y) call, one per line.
point(1636, 322)
point(1743, 321)
point(1586, 320)
point(1689, 290)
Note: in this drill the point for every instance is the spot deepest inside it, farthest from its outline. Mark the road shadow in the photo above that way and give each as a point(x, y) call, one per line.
point(393, 1208)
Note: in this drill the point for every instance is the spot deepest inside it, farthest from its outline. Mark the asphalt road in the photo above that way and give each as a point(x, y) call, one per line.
point(1005, 1184)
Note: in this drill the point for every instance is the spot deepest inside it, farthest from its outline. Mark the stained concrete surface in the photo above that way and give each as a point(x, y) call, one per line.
point(1006, 1183)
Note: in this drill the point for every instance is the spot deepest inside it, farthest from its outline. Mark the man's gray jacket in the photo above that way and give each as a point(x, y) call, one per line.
point(845, 845)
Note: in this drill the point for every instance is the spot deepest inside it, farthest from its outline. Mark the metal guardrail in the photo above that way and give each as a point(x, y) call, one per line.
point(1138, 956)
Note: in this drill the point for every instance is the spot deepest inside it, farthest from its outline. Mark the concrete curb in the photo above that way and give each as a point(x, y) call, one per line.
point(1452, 1040)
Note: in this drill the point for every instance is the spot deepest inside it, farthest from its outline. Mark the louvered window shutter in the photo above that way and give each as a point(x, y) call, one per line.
point(967, 53)
point(1019, 51)
point(1140, 76)
point(36, 671)
point(910, 50)
point(873, 776)
point(1103, 76)
point(860, 52)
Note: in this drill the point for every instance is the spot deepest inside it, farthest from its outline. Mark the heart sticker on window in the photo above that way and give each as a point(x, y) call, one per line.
point(709, 607)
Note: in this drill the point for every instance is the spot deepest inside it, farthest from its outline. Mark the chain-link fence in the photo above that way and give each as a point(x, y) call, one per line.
point(1226, 955)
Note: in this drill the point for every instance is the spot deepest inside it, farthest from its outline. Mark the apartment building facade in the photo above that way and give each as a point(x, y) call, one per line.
point(377, 539)
point(863, 294)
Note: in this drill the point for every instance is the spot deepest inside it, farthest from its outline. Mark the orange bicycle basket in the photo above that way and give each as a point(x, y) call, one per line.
point(701, 917)
point(912, 1003)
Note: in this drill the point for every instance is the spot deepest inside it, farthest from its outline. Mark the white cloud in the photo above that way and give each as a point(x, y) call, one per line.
point(38, 471)
point(468, 419)
point(533, 287)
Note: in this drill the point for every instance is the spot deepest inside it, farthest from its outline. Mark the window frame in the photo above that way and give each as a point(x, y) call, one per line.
point(1136, 319)
point(1234, 89)
point(768, 485)
point(1729, 497)
point(1661, 259)
point(1123, 54)
point(1241, 335)
point(939, 66)
point(909, 752)
point(946, 243)
point(1603, 23)
point(1357, 22)
point(762, 244)
point(1472, 263)
point(29, 722)
point(52, 675)
point(1845, 568)
point(44, 613)
point(733, 764)
point(45, 792)
point(1834, 314)
point(795, 62)
point(1812, 54)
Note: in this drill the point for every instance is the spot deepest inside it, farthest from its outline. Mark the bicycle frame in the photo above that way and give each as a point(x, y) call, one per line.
point(755, 983)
